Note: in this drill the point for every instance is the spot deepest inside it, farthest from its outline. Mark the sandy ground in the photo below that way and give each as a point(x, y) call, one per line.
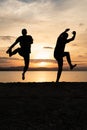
point(43, 106)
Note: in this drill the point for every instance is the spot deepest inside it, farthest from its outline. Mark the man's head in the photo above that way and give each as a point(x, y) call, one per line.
point(24, 31)
point(65, 35)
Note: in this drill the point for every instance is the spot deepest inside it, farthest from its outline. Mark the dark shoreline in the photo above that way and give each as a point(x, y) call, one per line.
point(43, 106)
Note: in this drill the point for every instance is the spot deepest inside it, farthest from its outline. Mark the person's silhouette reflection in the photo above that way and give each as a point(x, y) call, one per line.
point(59, 51)
point(25, 42)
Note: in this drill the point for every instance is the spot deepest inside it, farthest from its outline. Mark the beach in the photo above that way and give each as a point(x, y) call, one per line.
point(43, 106)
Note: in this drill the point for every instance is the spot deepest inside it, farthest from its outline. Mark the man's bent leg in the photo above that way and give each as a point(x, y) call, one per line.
point(68, 58)
point(15, 51)
point(10, 52)
point(67, 54)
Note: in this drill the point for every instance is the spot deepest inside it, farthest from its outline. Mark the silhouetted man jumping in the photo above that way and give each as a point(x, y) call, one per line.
point(59, 51)
point(25, 42)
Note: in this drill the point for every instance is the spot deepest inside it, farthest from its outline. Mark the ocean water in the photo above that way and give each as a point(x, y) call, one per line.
point(43, 76)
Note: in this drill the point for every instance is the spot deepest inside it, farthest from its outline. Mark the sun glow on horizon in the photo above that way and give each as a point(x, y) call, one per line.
point(43, 64)
point(42, 54)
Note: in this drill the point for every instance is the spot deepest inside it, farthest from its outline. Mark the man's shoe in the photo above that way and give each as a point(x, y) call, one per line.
point(71, 68)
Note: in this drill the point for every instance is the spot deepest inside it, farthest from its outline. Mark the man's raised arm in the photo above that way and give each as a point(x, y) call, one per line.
point(73, 37)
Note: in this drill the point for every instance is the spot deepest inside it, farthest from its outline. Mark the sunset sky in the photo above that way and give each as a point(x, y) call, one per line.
point(44, 20)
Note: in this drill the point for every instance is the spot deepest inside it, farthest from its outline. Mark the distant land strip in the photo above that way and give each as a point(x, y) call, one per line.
point(20, 68)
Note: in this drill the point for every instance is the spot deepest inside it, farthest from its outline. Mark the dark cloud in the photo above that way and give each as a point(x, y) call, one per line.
point(86, 30)
point(57, 4)
point(32, 60)
point(80, 56)
point(38, 1)
point(4, 61)
point(42, 60)
point(62, 5)
point(83, 56)
point(8, 58)
point(28, 1)
point(2, 1)
point(74, 45)
point(31, 1)
point(48, 47)
point(6, 37)
point(81, 24)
